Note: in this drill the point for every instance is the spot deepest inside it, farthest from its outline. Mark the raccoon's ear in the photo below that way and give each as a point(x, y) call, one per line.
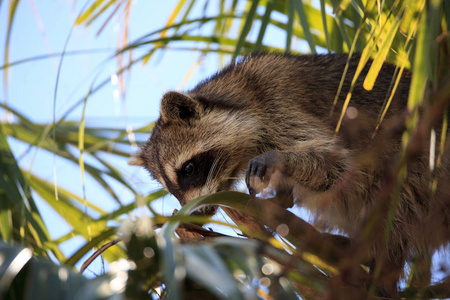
point(179, 107)
point(136, 160)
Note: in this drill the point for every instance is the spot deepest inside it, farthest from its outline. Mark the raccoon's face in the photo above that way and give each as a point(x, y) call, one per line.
point(197, 148)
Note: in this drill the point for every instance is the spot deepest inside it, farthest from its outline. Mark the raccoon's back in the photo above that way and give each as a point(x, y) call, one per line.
point(279, 87)
point(308, 83)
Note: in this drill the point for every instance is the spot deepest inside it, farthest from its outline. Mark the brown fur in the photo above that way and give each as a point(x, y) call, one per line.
point(274, 111)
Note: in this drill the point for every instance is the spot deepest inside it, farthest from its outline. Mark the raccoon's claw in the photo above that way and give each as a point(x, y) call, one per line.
point(260, 170)
point(255, 172)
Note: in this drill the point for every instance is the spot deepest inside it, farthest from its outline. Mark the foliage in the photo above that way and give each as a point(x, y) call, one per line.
point(26, 277)
point(411, 34)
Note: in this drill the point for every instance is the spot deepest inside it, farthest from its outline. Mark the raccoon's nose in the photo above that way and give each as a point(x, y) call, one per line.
point(179, 197)
point(181, 200)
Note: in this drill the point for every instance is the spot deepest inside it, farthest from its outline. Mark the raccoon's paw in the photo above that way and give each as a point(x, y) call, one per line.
point(262, 170)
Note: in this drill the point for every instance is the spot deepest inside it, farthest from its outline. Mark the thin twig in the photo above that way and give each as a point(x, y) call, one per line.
point(98, 253)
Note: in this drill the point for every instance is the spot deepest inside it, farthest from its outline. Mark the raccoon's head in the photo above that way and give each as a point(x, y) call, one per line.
point(198, 147)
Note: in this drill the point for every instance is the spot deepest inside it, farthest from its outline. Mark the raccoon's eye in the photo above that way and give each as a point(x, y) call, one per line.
point(188, 168)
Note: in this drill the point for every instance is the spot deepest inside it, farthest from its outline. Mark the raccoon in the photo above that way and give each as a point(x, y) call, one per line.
point(269, 118)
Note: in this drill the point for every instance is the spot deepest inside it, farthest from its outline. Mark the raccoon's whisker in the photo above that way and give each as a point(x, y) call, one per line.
point(209, 182)
point(208, 178)
point(211, 171)
point(214, 167)
point(217, 170)
point(222, 162)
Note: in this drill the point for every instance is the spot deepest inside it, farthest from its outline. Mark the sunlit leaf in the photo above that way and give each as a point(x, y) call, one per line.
point(305, 25)
point(381, 56)
point(246, 29)
point(264, 22)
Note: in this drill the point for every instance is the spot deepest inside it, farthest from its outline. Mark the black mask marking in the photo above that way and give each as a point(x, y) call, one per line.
point(194, 172)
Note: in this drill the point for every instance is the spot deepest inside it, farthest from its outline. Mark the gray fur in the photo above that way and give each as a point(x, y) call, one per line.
point(273, 111)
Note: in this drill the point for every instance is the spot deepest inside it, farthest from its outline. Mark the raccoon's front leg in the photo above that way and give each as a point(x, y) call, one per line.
point(313, 169)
